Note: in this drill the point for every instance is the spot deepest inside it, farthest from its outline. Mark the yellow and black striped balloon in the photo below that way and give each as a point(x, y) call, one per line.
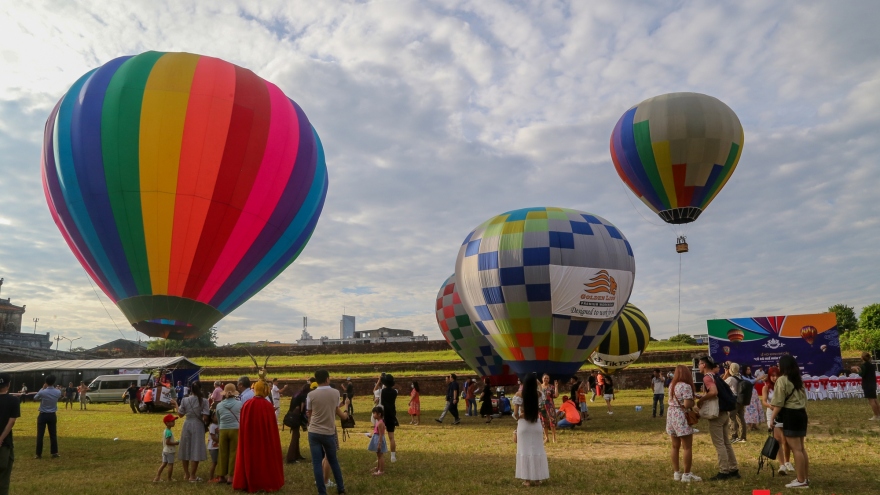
point(625, 341)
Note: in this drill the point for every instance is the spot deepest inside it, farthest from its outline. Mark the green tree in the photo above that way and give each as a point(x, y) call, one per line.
point(846, 317)
point(869, 319)
point(683, 338)
point(207, 340)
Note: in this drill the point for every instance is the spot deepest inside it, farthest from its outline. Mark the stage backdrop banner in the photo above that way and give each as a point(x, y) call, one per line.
point(759, 342)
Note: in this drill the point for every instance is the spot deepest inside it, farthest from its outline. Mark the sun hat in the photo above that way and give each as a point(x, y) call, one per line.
point(169, 418)
point(314, 385)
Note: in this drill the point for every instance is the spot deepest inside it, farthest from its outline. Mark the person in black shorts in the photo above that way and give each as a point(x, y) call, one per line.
point(9, 412)
point(387, 399)
point(868, 372)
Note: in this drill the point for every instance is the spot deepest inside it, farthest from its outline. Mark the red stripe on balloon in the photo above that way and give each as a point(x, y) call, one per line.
point(245, 144)
point(204, 138)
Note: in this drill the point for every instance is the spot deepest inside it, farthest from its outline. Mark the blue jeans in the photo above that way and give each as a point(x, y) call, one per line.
point(658, 399)
point(563, 423)
point(472, 407)
point(321, 445)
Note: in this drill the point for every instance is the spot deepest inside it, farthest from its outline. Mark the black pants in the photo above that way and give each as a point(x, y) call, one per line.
point(149, 406)
point(44, 420)
point(453, 410)
point(133, 404)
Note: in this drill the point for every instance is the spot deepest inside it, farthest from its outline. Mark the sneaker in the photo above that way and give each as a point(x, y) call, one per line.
point(438, 420)
point(696, 430)
point(690, 477)
point(55, 456)
point(676, 476)
point(610, 413)
point(783, 470)
point(789, 466)
point(719, 477)
point(734, 474)
point(456, 422)
point(393, 457)
point(330, 484)
point(874, 418)
point(798, 484)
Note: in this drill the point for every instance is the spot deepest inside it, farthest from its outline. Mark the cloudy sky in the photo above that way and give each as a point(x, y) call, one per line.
point(436, 115)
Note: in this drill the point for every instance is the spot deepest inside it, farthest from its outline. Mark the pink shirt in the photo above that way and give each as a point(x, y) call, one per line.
point(217, 395)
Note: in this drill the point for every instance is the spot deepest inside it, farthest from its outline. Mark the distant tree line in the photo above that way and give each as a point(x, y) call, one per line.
point(862, 333)
point(207, 340)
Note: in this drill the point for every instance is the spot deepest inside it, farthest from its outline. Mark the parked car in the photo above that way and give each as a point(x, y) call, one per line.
point(110, 388)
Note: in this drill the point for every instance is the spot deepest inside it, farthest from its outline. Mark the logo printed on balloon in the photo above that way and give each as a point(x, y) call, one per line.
point(625, 341)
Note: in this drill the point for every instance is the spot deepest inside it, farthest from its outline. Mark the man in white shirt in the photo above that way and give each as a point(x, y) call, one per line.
point(245, 391)
point(657, 384)
point(323, 408)
point(276, 399)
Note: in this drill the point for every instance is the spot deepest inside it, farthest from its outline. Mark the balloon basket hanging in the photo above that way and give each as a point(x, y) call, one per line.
point(680, 245)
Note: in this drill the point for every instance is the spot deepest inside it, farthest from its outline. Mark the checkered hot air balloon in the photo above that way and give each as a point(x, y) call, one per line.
point(676, 151)
point(183, 184)
point(625, 341)
point(544, 285)
point(473, 347)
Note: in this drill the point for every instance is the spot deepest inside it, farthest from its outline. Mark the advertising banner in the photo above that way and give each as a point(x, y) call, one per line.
point(591, 293)
point(759, 342)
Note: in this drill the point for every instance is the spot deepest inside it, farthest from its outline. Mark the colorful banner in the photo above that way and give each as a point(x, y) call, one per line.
point(591, 293)
point(759, 342)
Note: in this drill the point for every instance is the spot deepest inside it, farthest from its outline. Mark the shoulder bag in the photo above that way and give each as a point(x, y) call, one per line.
point(692, 417)
point(710, 408)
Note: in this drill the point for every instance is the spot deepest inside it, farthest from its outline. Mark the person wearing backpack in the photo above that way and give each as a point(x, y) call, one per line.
point(738, 386)
point(717, 390)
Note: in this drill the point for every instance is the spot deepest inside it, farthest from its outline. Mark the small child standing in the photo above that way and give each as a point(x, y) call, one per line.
point(377, 441)
point(214, 446)
point(169, 448)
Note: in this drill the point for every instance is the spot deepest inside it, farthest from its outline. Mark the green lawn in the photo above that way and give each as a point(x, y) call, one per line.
point(624, 453)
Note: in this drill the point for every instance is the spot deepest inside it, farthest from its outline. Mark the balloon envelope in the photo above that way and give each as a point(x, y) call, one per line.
point(467, 341)
point(625, 341)
point(544, 285)
point(735, 335)
point(676, 151)
point(808, 333)
point(183, 184)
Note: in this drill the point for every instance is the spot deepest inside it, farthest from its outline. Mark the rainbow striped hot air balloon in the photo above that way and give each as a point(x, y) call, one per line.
point(625, 341)
point(676, 151)
point(183, 184)
point(544, 285)
point(735, 335)
point(808, 333)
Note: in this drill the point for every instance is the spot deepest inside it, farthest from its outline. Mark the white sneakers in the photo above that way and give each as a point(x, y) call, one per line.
point(610, 413)
point(798, 484)
point(676, 476)
point(690, 477)
point(393, 457)
point(874, 418)
point(790, 467)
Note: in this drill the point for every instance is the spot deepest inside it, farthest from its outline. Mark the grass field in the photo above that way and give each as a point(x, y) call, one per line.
point(624, 453)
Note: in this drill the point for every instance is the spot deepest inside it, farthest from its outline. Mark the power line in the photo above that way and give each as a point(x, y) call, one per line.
point(102, 304)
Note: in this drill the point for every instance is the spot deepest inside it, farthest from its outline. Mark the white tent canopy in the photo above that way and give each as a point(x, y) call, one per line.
point(99, 364)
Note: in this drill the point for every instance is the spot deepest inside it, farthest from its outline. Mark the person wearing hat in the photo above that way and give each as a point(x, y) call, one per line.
point(169, 447)
point(388, 401)
point(258, 463)
point(228, 413)
point(10, 410)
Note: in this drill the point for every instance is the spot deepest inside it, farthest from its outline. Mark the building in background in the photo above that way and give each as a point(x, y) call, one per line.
point(378, 336)
point(346, 327)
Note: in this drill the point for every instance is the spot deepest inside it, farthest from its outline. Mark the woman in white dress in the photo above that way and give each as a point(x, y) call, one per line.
point(531, 458)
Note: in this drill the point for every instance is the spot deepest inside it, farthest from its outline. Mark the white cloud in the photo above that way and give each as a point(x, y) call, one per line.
point(437, 115)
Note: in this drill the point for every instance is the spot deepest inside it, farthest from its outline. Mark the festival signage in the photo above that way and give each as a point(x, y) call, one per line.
point(760, 341)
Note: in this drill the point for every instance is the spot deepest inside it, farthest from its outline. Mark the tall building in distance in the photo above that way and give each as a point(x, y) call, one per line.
point(346, 327)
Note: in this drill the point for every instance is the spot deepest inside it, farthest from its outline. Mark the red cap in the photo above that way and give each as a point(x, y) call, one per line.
point(169, 418)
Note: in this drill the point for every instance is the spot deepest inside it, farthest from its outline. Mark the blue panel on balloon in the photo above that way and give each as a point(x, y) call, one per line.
point(629, 249)
point(581, 228)
point(613, 232)
point(468, 238)
point(538, 292)
point(515, 275)
point(562, 240)
point(592, 219)
point(484, 314)
point(473, 248)
point(577, 327)
point(493, 295)
point(488, 261)
point(481, 326)
point(536, 256)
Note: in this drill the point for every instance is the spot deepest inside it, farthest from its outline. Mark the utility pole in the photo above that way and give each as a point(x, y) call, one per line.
point(57, 344)
point(35, 325)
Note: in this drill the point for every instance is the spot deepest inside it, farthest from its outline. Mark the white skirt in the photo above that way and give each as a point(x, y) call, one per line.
point(531, 458)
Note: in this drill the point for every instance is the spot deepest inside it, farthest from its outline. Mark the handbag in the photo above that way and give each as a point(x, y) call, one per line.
point(710, 409)
point(692, 417)
point(768, 452)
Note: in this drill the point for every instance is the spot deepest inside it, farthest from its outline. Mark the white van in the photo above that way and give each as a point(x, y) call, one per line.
point(109, 388)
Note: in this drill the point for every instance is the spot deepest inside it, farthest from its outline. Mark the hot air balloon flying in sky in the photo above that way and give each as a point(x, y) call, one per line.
point(625, 341)
point(545, 285)
point(473, 347)
point(183, 184)
point(676, 151)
